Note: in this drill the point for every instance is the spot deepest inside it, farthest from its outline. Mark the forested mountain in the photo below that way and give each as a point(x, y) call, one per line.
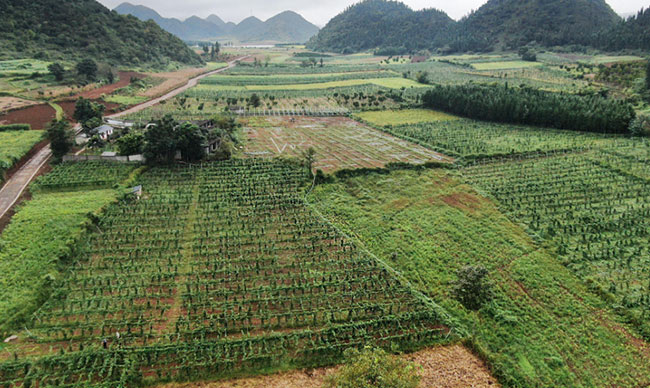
point(73, 29)
point(286, 27)
point(633, 33)
point(382, 24)
point(514, 23)
point(499, 24)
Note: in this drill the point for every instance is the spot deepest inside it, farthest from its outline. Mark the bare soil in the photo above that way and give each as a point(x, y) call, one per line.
point(125, 80)
point(38, 116)
point(11, 103)
point(441, 367)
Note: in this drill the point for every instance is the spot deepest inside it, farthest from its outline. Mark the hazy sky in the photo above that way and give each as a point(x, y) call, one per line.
point(316, 11)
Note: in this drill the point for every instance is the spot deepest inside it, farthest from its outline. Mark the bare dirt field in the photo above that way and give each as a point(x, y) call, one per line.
point(172, 80)
point(443, 367)
point(11, 103)
point(125, 80)
point(340, 142)
point(38, 116)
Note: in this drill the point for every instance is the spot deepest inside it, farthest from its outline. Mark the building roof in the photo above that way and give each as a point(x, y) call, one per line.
point(104, 129)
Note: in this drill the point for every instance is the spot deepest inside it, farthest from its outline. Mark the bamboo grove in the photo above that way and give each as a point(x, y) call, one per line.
point(216, 269)
point(528, 106)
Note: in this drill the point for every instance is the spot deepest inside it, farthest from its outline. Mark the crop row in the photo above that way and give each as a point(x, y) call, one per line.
point(593, 207)
point(225, 257)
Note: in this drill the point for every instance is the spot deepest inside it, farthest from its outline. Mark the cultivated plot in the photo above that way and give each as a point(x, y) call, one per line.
point(340, 143)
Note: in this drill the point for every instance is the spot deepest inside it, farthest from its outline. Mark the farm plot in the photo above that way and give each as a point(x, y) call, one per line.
point(340, 143)
point(217, 269)
point(14, 145)
point(594, 212)
point(403, 117)
point(389, 82)
point(477, 140)
point(73, 175)
point(544, 327)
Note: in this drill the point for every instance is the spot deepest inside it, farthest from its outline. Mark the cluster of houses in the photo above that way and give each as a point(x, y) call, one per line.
point(106, 130)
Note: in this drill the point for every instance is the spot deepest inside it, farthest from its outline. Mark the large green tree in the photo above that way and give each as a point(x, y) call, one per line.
point(88, 69)
point(89, 114)
point(61, 138)
point(160, 143)
point(190, 142)
point(57, 70)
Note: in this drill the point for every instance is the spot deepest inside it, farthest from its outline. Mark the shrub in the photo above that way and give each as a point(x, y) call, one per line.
point(374, 368)
point(473, 289)
point(15, 127)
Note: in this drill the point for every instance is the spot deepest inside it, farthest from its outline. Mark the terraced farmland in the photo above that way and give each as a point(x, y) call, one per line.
point(217, 269)
point(340, 143)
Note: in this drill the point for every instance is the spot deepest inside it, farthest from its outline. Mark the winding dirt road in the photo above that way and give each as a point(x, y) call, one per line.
point(16, 185)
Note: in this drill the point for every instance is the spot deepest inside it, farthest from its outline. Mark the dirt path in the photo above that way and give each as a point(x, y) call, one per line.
point(16, 184)
point(190, 84)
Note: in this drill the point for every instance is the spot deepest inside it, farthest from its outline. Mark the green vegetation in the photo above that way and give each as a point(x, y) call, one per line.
point(83, 176)
point(14, 145)
point(403, 117)
point(374, 368)
point(394, 83)
point(391, 26)
point(15, 127)
point(507, 65)
point(593, 211)
point(37, 247)
point(471, 139)
point(542, 328)
point(292, 291)
point(61, 137)
point(51, 30)
point(532, 107)
point(395, 29)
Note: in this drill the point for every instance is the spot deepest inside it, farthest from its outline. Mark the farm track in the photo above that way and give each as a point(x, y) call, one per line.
point(15, 186)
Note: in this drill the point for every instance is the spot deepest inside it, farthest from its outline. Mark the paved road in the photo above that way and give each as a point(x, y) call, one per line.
point(13, 189)
point(190, 84)
point(16, 185)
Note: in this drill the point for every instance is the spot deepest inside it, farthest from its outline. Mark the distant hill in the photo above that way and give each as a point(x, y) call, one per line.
point(382, 24)
point(193, 28)
point(73, 29)
point(513, 23)
point(286, 27)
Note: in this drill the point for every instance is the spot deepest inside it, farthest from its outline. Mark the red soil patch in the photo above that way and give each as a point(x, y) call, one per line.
point(38, 116)
point(462, 201)
point(125, 80)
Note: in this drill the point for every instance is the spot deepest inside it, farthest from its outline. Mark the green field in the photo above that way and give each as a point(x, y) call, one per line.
point(592, 209)
point(544, 328)
point(403, 117)
point(291, 291)
point(14, 145)
point(472, 139)
point(38, 245)
point(506, 65)
point(394, 83)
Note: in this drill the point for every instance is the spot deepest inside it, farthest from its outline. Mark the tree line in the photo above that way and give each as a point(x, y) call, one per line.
point(528, 106)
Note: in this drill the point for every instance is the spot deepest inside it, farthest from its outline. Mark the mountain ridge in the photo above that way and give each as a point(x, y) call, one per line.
point(75, 29)
point(285, 27)
point(393, 27)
